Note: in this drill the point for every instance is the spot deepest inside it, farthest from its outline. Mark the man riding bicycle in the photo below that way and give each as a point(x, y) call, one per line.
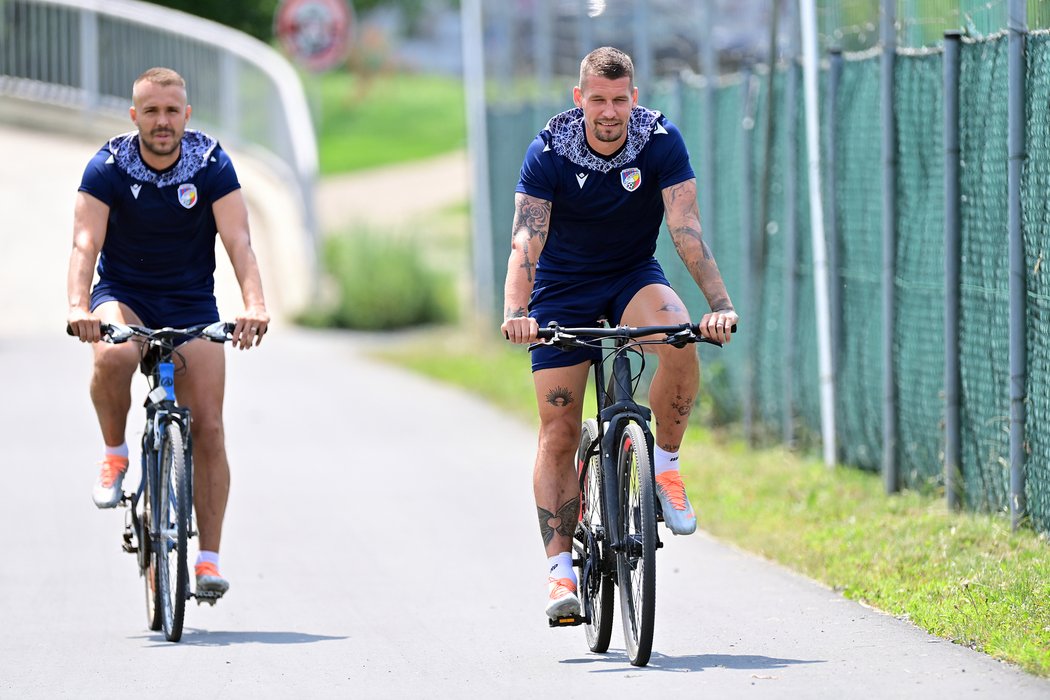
point(594, 187)
point(148, 208)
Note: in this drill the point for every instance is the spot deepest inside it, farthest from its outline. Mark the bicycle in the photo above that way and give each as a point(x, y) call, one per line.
point(616, 477)
point(159, 519)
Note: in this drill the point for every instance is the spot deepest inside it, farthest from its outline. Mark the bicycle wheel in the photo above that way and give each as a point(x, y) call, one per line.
point(174, 517)
point(636, 562)
point(596, 584)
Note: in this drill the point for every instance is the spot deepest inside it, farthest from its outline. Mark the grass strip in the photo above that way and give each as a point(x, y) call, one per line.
point(387, 119)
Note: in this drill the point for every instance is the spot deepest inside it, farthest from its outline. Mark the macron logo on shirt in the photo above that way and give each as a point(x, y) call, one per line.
point(135, 190)
point(581, 178)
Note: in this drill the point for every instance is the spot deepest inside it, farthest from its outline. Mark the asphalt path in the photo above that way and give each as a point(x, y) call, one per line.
point(380, 541)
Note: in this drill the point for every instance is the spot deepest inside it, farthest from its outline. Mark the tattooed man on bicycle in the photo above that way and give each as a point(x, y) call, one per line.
point(595, 185)
point(148, 208)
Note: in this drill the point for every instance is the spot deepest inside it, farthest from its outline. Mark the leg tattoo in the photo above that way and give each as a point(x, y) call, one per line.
point(564, 523)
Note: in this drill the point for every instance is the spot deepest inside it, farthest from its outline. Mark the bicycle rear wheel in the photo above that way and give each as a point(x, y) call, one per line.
point(174, 517)
point(636, 562)
point(595, 580)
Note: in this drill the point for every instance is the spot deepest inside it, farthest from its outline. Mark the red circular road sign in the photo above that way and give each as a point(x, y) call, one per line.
point(315, 32)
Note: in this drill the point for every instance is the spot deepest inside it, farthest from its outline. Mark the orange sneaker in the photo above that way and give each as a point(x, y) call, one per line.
point(209, 580)
point(108, 488)
point(563, 601)
point(678, 513)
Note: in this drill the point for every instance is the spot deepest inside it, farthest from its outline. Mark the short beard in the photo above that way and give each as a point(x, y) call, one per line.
point(148, 145)
point(612, 139)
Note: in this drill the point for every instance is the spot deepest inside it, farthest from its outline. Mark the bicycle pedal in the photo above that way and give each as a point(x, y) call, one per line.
point(567, 620)
point(209, 597)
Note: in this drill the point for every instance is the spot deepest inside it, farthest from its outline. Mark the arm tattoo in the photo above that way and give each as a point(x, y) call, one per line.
point(559, 396)
point(514, 313)
point(534, 216)
point(691, 232)
point(564, 523)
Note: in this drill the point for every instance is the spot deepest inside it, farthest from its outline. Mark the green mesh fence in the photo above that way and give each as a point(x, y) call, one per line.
point(1036, 208)
point(918, 329)
point(724, 370)
point(769, 318)
point(858, 181)
point(984, 275)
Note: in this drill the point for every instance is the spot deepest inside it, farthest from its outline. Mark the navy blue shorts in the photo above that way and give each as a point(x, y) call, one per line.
point(582, 303)
point(159, 310)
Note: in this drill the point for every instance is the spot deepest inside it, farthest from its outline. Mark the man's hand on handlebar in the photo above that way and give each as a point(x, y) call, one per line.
point(250, 328)
point(84, 325)
point(718, 325)
point(520, 329)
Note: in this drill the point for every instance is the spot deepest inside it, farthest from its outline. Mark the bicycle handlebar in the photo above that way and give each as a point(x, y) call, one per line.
point(116, 333)
point(682, 333)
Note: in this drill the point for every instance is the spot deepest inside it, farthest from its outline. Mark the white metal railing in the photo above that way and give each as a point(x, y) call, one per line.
point(85, 54)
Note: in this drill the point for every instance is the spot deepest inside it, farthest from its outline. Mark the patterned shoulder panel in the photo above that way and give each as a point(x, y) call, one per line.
point(568, 139)
point(197, 147)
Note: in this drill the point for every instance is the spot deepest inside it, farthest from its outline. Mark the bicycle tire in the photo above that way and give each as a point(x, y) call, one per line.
point(148, 560)
point(636, 561)
point(597, 584)
point(174, 517)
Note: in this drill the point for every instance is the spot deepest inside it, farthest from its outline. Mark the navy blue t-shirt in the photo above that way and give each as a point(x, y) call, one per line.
point(161, 231)
point(606, 212)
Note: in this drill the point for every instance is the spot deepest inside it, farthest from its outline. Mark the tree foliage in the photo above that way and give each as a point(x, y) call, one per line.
point(256, 16)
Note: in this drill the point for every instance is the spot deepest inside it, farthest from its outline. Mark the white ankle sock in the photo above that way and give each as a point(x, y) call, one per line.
point(560, 566)
point(120, 450)
point(664, 461)
point(208, 557)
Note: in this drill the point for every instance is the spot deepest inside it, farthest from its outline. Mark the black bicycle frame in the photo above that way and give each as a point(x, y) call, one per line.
point(617, 410)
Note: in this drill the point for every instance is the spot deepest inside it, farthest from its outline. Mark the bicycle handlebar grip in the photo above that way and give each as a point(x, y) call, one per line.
point(696, 328)
point(103, 328)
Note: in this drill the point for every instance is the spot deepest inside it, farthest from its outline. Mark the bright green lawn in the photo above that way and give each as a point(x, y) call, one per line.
point(390, 119)
point(966, 578)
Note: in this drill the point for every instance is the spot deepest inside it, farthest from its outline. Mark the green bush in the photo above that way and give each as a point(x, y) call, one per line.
point(381, 282)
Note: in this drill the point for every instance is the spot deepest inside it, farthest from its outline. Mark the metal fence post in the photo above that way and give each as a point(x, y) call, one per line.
point(952, 241)
point(747, 218)
point(1018, 286)
point(485, 303)
point(952, 446)
point(831, 216)
point(890, 473)
point(791, 258)
point(709, 67)
point(89, 59)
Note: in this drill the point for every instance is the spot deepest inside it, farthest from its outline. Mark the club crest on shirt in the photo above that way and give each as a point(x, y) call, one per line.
point(188, 195)
point(630, 178)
